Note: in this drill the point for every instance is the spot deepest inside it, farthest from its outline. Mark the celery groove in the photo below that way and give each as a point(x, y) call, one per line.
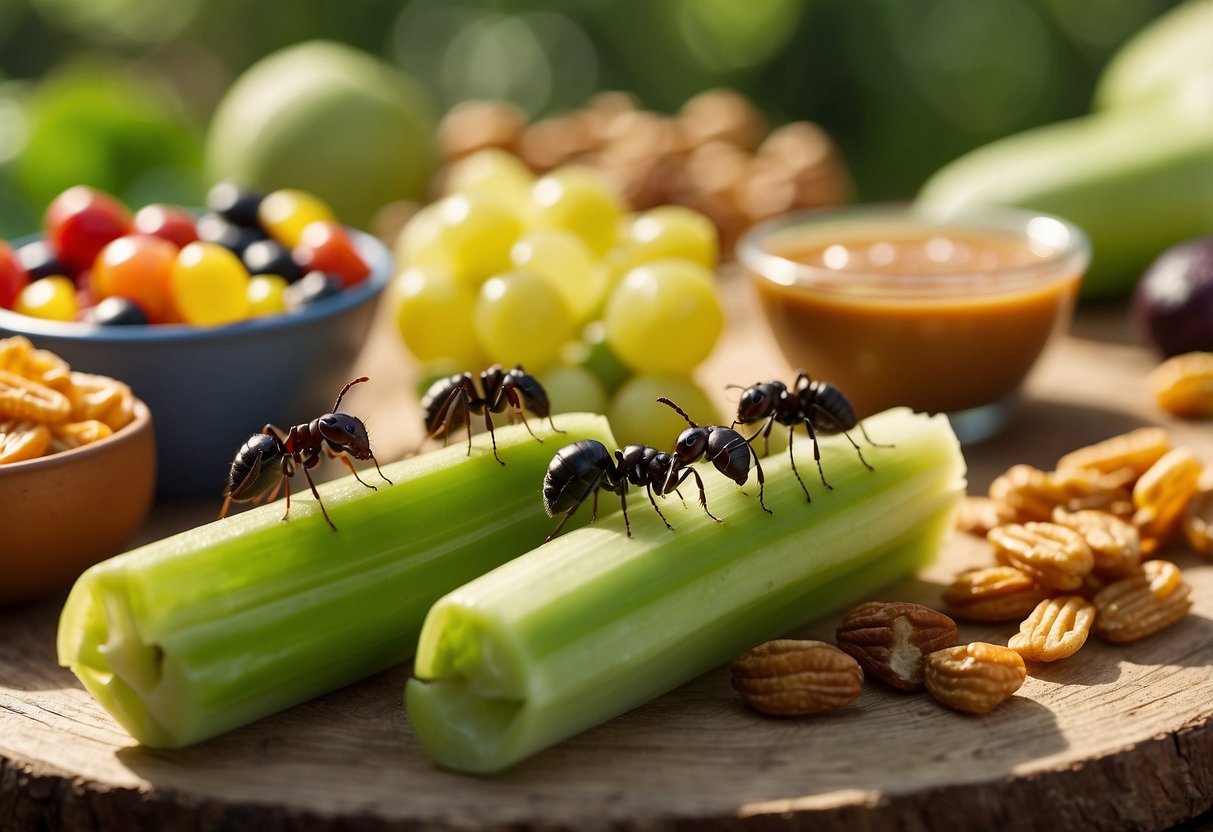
point(193, 635)
point(593, 624)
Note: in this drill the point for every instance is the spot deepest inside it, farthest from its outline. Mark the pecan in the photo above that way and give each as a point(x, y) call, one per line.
point(1055, 556)
point(1198, 522)
point(1134, 452)
point(994, 593)
point(1115, 544)
point(1162, 493)
point(1183, 385)
point(890, 640)
point(977, 515)
point(1151, 599)
point(1055, 629)
point(22, 398)
point(1034, 494)
point(790, 677)
point(974, 678)
point(21, 440)
point(101, 398)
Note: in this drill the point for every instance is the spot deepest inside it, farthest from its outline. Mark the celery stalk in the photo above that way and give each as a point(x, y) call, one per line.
point(593, 624)
point(215, 627)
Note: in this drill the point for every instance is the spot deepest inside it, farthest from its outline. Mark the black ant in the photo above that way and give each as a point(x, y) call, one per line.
point(586, 467)
point(454, 399)
point(267, 461)
point(728, 450)
point(818, 405)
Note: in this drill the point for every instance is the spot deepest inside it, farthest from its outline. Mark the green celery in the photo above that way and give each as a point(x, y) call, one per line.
point(593, 624)
point(215, 627)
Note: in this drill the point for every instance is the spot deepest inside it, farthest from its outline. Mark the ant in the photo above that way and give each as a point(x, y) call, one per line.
point(454, 399)
point(267, 461)
point(728, 450)
point(818, 405)
point(586, 467)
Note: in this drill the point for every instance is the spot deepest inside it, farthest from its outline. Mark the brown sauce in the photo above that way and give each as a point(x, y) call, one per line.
point(935, 352)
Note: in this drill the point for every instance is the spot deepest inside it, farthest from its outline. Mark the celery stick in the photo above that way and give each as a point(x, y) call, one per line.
point(593, 624)
point(215, 627)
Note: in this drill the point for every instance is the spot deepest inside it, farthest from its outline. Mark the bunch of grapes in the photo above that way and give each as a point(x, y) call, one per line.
point(608, 310)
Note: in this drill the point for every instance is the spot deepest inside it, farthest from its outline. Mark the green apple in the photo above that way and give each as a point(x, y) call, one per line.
point(329, 119)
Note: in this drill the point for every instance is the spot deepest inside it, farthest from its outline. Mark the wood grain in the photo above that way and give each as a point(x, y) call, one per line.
point(1117, 737)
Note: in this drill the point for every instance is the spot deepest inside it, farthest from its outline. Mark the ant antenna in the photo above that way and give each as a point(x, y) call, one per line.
point(345, 389)
point(681, 412)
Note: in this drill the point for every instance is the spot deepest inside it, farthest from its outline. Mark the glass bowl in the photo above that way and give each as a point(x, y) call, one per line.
point(895, 306)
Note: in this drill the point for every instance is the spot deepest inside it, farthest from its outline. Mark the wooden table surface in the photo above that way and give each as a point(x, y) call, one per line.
point(1113, 738)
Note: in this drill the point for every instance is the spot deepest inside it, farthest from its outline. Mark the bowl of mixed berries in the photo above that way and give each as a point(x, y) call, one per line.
point(249, 311)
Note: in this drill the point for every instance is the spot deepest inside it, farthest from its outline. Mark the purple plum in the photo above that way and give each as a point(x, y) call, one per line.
point(1173, 301)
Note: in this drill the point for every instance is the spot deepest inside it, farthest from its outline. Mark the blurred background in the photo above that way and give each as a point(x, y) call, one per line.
point(119, 94)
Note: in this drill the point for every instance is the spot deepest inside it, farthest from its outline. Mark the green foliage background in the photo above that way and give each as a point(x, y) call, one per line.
point(118, 93)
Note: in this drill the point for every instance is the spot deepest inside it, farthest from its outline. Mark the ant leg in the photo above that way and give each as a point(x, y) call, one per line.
point(766, 436)
point(345, 460)
point(761, 481)
point(795, 470)
point(703, 497)
point(623, 504)
point(563, 520)
point(488, 425)
point(842, 430)
point(227, 502)
point(311, 463)
point(868, 439)
point(288, 471)
point(593, 489)
point(649, 488)
point(808, 426)
point(275, 431)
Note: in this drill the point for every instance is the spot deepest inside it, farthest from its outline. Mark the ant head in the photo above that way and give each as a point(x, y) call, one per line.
point(346, 433)
point(691, 445)
point(757, 402)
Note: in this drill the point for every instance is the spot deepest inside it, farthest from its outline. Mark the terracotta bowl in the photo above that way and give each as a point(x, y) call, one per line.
point(60, 514)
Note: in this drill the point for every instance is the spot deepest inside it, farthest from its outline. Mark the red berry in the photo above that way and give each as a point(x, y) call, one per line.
point(13, 276)
point(80, 221)
point(325, 247)
point(168, 222)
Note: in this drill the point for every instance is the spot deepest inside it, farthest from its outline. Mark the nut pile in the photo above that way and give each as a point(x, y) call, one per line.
point(46, 407)
point(1073, 551)
point(907, 646)
point(715, 155)
point(1073, 545)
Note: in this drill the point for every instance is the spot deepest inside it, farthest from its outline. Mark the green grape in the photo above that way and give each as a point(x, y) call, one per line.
point(434, 316)
point(577, 200)
point(493, 173)
point(469, 236)
point(592, 352)
point(561, 258)
point(573, 389)
point(664, 317)
point(637, 417)
point(521, 319)
point(668, 231)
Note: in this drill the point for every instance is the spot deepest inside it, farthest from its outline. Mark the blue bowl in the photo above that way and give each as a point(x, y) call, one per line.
point(210, 388)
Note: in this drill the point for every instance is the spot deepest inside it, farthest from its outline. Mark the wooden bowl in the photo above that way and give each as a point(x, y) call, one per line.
point(64, 512)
